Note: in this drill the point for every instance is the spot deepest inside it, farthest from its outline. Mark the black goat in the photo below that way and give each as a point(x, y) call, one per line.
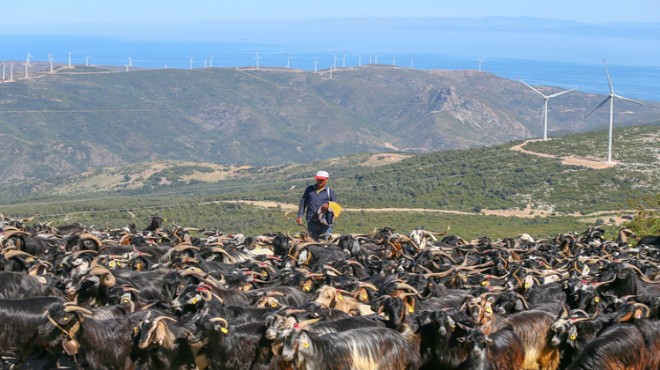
point(619, 347)
point(501, 351)
point(23, 318)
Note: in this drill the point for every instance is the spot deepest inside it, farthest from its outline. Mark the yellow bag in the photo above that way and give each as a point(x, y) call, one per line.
point(335, 208)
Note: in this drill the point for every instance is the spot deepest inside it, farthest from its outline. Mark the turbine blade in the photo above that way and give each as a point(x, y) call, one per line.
point(628, 99)
point(531, 87)
point(562, 92)
point(609, 80)
point(598, 106)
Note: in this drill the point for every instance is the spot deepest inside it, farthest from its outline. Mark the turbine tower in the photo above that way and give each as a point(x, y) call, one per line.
point(545, 106)
point(611, 97)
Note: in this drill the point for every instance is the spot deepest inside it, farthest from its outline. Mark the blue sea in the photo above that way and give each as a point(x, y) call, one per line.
point(640, 82)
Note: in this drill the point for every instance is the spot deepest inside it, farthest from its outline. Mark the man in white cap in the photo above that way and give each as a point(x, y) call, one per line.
point(314, 207)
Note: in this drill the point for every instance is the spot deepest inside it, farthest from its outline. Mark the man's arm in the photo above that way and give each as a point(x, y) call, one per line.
point(301, 208)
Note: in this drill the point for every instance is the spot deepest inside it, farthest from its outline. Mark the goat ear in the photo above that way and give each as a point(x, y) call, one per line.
point(161, 332)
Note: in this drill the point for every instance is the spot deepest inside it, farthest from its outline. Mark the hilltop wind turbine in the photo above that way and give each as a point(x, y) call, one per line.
point(611, 97)
point(545, 105)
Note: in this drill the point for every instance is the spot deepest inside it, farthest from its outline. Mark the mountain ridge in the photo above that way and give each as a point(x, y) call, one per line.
point(84, 118)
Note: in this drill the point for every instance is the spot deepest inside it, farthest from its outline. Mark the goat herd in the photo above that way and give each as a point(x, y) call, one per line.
point(169, 297)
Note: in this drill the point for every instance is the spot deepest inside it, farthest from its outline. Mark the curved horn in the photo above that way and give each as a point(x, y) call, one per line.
point(224, 322)
point(302, 324)
point(230, 258)
point(406, 286)
point(15, 253)
point(92, 237)
point(107, 278)
point(77, 254)
point(74, 308)
point(160, 318)
point(184, 247)
point(368, 286)
point(642, 276)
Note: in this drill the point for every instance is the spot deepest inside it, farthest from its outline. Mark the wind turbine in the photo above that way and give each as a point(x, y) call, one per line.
point(545, 105)
point(4, 68)
point(611, 97)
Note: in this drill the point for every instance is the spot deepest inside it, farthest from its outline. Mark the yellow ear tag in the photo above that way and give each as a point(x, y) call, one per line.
point(112, 264)
point(307, 288)
point(489, 309)
point(411, 309)
point(365, 296)
point(306, 345)
point(273, 304)
point(194, 300)
point(264, 274)
point(135, 330)
point(340, 297)
point(597, 299)
point(138, 266)
point(485, 283)
point(118, 263)
point(572, 337)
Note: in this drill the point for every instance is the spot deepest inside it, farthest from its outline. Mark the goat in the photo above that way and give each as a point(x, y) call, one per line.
point(533, 329)
point(96, 344)
point(618, 347)
point(161, 345)
point(364, 348)
point(23, 318)
point(244, 346)
point(500, 351)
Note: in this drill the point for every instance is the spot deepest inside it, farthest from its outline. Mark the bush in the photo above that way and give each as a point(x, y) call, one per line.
point(646, 220)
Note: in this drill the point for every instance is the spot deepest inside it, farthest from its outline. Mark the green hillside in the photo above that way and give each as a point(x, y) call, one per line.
point(473, 183)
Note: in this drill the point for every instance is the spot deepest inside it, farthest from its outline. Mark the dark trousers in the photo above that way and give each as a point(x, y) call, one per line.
point(317, 230)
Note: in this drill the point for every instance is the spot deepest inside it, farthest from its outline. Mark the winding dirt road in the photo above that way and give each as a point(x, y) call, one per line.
point(595, 163)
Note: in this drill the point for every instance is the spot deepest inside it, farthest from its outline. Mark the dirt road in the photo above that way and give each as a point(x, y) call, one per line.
point(595, 163)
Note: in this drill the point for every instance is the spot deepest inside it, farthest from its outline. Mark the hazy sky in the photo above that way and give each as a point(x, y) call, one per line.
point(149, 11)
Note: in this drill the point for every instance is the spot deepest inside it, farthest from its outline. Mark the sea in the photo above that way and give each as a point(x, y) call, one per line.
point(640, 82)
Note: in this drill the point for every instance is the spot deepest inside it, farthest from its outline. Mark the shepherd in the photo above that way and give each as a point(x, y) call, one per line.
point(319, 207)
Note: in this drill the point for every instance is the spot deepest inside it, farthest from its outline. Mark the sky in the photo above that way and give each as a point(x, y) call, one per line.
point(32, 12)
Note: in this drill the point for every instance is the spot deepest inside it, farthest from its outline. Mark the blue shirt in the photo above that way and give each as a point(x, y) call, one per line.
point(313, 200)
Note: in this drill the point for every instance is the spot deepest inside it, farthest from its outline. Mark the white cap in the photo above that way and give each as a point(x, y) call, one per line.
point(322, 175)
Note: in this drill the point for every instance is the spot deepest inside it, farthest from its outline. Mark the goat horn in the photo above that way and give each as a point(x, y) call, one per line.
point(368, 286)
point(220, 319)
point(74, 308)
point(160, 318)
point(84, 251)
point(14, 253)
point(302, 324)
point(406, 286)
point(91, 237)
